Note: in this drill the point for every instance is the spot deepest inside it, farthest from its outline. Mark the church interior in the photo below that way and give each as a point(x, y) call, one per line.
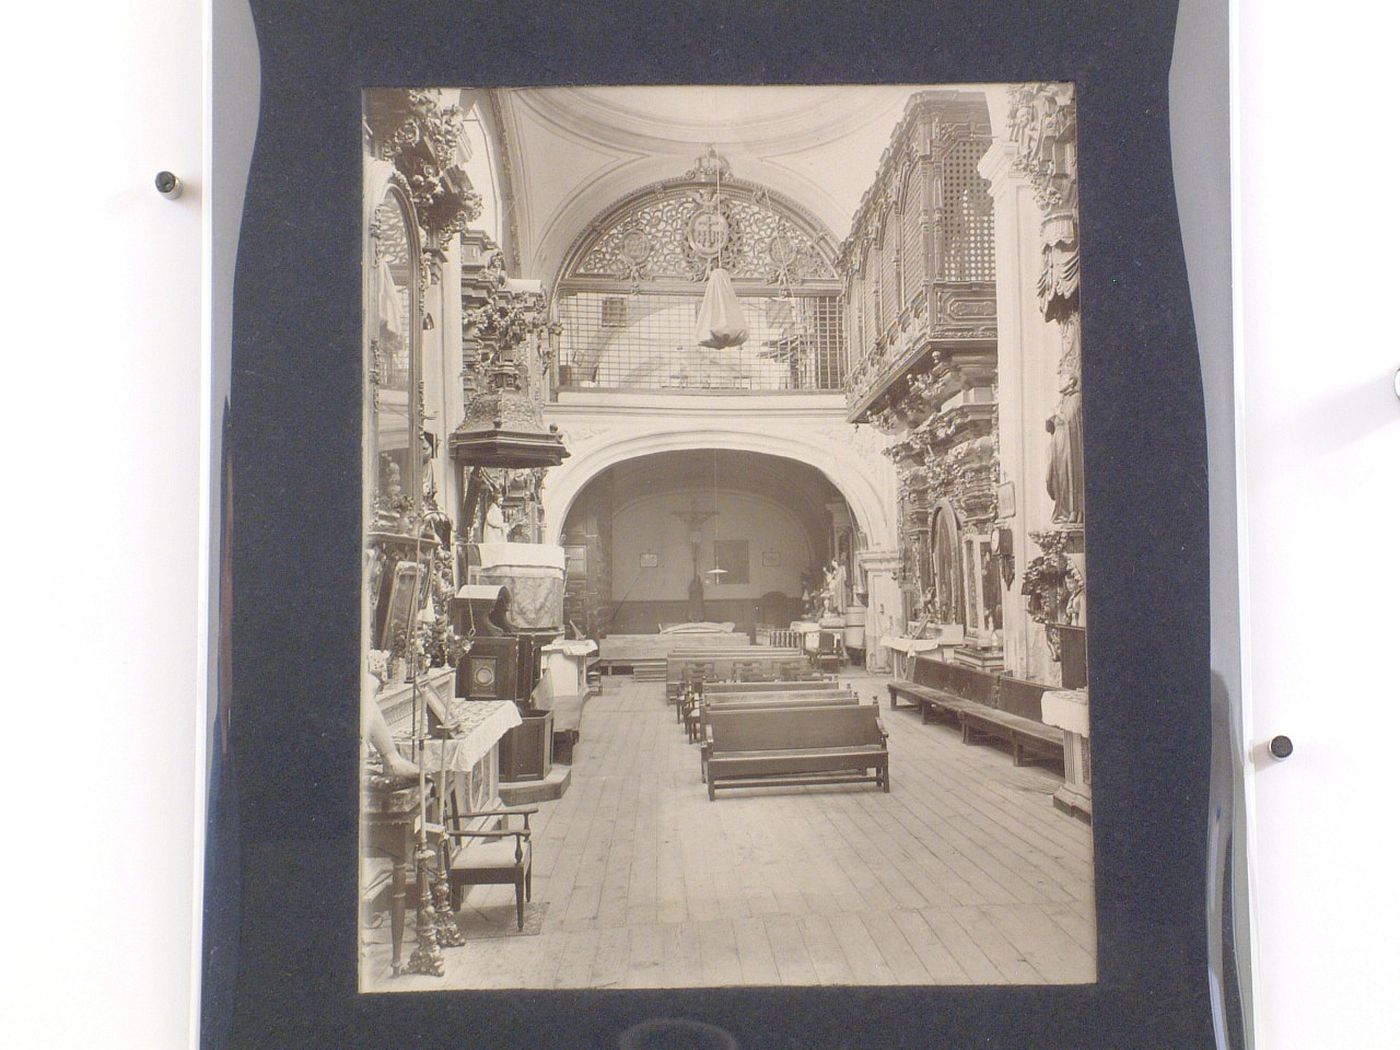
point(723, 618)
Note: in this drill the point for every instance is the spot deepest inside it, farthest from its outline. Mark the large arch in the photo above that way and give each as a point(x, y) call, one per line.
point(860, 476)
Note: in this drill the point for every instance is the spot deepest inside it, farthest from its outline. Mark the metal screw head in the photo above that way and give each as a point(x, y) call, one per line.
point(168, 184)
point(1280, 747)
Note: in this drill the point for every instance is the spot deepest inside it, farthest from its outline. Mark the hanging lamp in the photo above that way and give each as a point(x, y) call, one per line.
point(716, 573)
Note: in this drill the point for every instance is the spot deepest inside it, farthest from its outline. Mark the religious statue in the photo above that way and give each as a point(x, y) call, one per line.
point(427, 450)
point(493, 525)
point(391, 507)
point(393, 482)
point(836, 586)
point(1064, 477)
point(1074, 604)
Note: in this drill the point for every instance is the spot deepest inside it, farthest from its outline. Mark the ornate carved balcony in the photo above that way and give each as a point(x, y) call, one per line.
point(919, 262)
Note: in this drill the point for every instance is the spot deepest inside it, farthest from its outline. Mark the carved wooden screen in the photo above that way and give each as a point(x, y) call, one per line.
point(914, 249)
point(871, 282)
point(630, 290)
point(889, 260)
point(968, 205)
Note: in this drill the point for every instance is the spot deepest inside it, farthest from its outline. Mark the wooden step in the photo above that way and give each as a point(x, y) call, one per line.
point(649, 670)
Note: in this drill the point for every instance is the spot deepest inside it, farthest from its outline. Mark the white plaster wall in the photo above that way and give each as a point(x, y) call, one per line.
point(650, 524)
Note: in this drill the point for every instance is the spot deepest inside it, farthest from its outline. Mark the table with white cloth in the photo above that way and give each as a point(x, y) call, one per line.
point(905, 649)
point(466, 763)
point(563, 686)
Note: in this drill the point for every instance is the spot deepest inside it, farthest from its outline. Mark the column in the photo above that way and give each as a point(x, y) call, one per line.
point(885, 613)
point(1028, 349)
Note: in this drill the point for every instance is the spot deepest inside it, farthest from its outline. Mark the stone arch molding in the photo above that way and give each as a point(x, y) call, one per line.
point(861, 475)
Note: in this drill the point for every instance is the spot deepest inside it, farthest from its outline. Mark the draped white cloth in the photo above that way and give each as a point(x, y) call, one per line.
point(720, 322)
point(481, 723)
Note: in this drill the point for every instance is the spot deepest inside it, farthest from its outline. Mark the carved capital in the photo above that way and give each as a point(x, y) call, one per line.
point(423, 140)
point(1041, 128)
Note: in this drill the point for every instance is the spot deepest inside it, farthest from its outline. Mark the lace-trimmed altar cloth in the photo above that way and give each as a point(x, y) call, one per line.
point(481, 724)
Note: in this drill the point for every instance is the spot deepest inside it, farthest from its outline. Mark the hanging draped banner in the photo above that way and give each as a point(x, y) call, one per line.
point(720, 322)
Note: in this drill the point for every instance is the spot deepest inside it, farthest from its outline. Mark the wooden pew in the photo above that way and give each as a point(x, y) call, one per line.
point(944, 689)
point(1012, 722)
point(696, 703)
point(720, 688)
point(986, 707)
point(692, 694)
point(720, 665)
point(697, 723)
point(796, 746)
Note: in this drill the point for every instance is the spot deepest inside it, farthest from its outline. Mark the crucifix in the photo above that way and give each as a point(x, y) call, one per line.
point(695, 518)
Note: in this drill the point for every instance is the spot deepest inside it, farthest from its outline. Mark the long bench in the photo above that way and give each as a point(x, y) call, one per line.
point(690, 697)
point(685, 667)
point(731, 665)
point(699, 729)
point(944, 689)
point(697, 704)
point(719, 688)
point(986, 707)
point(796, 746)
point(1016, 721)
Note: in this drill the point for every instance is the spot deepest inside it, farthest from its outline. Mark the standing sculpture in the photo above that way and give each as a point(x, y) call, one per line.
point(1064, 476)
point(836, 587)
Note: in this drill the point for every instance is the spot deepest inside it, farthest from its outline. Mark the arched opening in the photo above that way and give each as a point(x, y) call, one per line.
point(628, 292)
point(707, 534)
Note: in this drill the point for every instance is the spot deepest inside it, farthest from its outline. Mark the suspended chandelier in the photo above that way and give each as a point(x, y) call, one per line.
point(716, 573)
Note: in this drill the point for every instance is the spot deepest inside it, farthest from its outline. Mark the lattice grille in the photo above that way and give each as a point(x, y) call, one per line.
point(648, 342)
point(914, 249)
point(871, 287)
point(889, 272)
point(971, 254)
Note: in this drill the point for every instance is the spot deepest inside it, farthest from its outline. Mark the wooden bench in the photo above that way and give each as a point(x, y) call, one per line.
point(986, 706)
point(796, 746)
point(1016, 721)
point(702, 732)
point(943, 689)
point(720, 665)
point(696, 705)
point(1023, 734)
point(787, 685)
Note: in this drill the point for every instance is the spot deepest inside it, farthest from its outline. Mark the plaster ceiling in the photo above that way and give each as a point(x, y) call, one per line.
point(574, 151)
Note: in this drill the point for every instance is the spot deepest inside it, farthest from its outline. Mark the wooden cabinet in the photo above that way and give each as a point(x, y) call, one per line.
point(527, 751)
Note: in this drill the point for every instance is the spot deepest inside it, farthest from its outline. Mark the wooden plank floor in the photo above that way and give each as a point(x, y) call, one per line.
point(963, 874)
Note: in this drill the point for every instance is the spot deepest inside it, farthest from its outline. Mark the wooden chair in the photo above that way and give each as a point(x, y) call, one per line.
point(692, 683)
point(504, 858)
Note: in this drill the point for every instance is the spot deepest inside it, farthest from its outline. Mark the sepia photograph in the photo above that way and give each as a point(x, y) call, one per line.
point(724, 599)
